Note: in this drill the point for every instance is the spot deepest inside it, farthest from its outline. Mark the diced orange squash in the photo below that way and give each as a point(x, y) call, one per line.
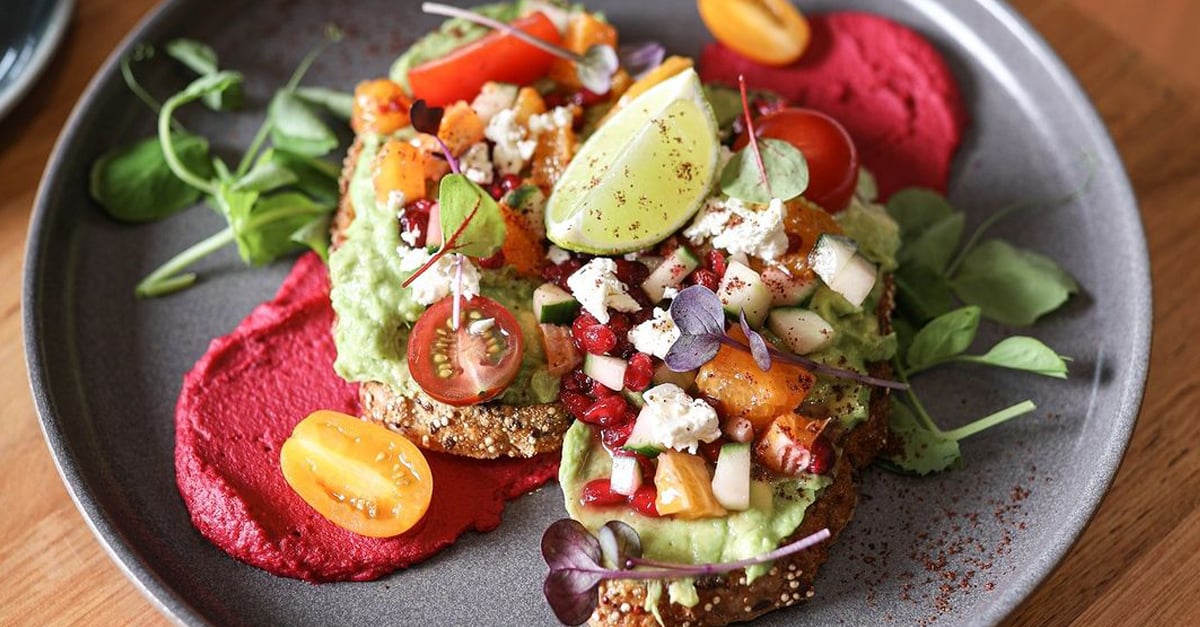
point(804, 223)
point(529, 103)
point(522, 249)
point(787, 444)
point(561, 354)
point(461, 127)
point(400, 167)
point(684, 486)
point(380, 106)
point(583, 31)
point(742, 389)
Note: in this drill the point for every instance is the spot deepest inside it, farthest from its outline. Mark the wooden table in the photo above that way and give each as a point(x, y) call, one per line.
point(1135, 564)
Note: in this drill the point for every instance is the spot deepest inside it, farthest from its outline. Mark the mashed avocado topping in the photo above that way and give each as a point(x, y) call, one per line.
point(776, 510)
point(375, 314)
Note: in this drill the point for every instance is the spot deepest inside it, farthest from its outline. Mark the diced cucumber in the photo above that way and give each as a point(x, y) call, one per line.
point(626, 475)
point(670, 273)
point(635, 398)
point(650, 261)
point(743, 289)
point(609, 371)
point(787, 289)
point(830, 255)
point(640, 439)
point(554, 305)
point(855, 281)
point(494, 98)
point(731, 481)
point(802, 330)
point(663, 374)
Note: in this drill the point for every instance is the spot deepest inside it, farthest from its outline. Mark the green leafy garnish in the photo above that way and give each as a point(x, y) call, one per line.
point(1012, 286)
point(786, 173)
point(202, 59)
point(338, 103)
point(297, 128)
point(484, 233)
point(135, 184)
point(1022, 353)
point(943, 338)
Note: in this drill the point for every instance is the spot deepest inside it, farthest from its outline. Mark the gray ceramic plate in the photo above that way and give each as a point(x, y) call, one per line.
point(29, 33)
point(967, 546)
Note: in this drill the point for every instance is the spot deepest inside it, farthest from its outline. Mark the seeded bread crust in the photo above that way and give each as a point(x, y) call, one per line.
point(725, 599)
point(486, 431)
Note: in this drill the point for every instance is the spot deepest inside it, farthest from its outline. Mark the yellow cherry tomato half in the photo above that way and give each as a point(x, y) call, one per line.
point(771, 32)
point(359, 475)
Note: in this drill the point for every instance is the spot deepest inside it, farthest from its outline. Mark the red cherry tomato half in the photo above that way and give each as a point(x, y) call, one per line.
point(498, 56)
point(471, 364)
point(831, 155)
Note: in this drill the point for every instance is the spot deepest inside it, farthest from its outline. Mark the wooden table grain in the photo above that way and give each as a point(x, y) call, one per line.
point(1137, 560)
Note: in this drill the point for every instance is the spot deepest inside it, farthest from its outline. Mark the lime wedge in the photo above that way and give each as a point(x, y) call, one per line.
point(641, 176)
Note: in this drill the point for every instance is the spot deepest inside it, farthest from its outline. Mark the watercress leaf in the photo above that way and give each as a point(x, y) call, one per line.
point(595, 70)
point(462, 200)
point(263, 231)
point(922, 294)
point(618, 542)
point(297, 128)
point(924, 451)
point(696, 310)
point(934, 246)
point(787, 173)
point(338, 103)
point(571, 594)
point(916, 209)
point(135, 184)
point(315, 177)
point(426, 119)
point(944, 337)
point(266, 175)
point(568, 544)
point(202, 59)
point(315, 235)
point(689, 352)
point(1022, 353)
point(1012, 286)
point(758, 346)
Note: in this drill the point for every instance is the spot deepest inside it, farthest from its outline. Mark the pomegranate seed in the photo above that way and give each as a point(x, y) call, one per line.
point(599, 493)
point(492, 263)
point(707, 278)
point(576, 403)
point(712, 450)
point(648, 467)
point(510, 182)
point(415, 222)
point(599, 339)
point(555, 99)
point(823, 456)
point(639, 372)
point(616, 437)
point(424, 205)
point(587, 98)
point(558, 274)
point(620, 324)
point(576, 381)
point(582, 323)
point(643, 499)
point(606, 412)
point(599, 390)
point(631, 273)
point(717, 263)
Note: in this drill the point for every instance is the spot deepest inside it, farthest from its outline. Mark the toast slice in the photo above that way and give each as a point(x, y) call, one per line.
point(725, 599)
point(485, 431)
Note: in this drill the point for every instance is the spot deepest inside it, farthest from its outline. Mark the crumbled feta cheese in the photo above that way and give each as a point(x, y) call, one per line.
point(411, 237)
point(394, 203)
point(551, 121)
point(738, 228)
point(479, 327)
point(476, 164)
point(513, 148)
point(557, 255)
point(675, 420)
point(656, 335)
point(437, 282)
point(597, 288)
point(669, 292)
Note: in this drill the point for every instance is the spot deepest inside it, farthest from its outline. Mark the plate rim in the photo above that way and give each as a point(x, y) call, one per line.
point(174, 605)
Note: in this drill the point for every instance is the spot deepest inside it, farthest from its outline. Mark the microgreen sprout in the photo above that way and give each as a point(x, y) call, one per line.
point(579, 561)
point(449, 246)
point(762, 168)
point(595, 66)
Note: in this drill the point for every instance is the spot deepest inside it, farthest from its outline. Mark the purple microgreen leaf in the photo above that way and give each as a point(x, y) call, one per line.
point(618, 542)
point(568, 544)
point(758, 346)
point(697, 311)
point(689, 352)
point(426, 119)
point(638, 59)
point(819, 368)
point(596, 68)
point(572, 594)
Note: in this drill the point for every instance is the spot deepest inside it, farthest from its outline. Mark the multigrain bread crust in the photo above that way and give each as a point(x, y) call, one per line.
point(484, 431)
point(725, 599)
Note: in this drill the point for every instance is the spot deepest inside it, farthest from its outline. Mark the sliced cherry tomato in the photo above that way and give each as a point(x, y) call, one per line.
point(771, 32)
point(471, 364)
point(831, 155)
point(359, 475)
point(497, 57)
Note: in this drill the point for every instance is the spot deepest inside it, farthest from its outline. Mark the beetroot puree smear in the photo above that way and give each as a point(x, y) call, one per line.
point(885, 83)
point(242, 400)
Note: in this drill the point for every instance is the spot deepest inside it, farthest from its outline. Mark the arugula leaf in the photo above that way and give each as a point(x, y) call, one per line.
point(922, 294)
point(339, 103)
point(297, 128)
point(946, 336)
point(460, 198)
point(202, 59)
point(1012, 286)
point(1022, 353)
point(135, 183)
point(787, 173)
point(925, 451)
